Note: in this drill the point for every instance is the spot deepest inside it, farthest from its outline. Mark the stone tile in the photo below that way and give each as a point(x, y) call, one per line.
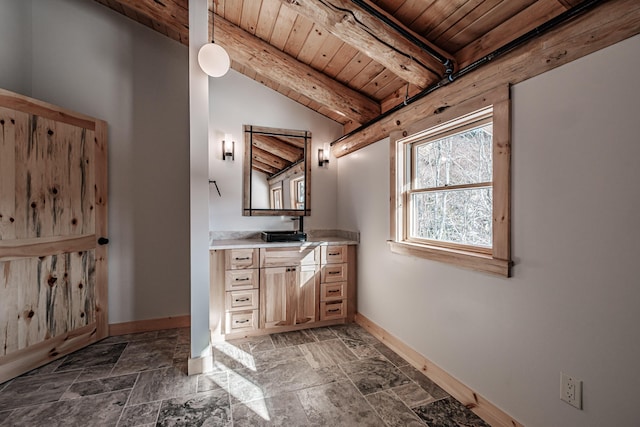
point(146, 355)
point(323, 334)
point(287, 339)
point(393, 411)
point(254, 344)
point(280, 377)
point(327, 353)
point(374, 374)
point(203, 409)
point(353, 332)
point(87, 388)
point(283, 410)
point(95, 373)
point(46, 369)
point(391, 355)
point(265, 358)
point(213, 381)
point(338, 405)
point(232, 356)
point(100, 410)
point(162, 384)
point(94, 355)
point(140, 336)
point(448, 413)
point(35, 390)
point(182, 351)
point(412, 395)
point(424, 382)
point(4, 415)
point(138, 415)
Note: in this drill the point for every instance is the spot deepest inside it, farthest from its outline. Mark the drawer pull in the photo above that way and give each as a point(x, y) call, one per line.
point(242, 299)
point(334, 272)
point(333, 291)
point(242, 321)
point(242, 259)
point(242, 280)
point(333, 310)
point(334, 254)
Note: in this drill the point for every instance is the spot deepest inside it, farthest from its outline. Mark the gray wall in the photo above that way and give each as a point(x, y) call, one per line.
point(89, 59)
point(572, 305)
point(15, 46)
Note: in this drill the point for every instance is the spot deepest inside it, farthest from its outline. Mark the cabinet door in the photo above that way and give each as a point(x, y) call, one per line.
point(276, 290)
point(306, 284)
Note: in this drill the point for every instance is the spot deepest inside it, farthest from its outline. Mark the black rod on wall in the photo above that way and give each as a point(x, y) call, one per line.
point(536, 32)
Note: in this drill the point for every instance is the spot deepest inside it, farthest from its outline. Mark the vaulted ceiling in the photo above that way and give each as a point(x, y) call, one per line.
point(351, 60)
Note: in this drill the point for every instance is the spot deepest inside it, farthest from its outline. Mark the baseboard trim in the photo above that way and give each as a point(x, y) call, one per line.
point(200, 365)
point(472, 400)
point(149, 325)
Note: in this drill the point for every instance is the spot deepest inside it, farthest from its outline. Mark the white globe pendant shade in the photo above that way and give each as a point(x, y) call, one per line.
point(214, 60)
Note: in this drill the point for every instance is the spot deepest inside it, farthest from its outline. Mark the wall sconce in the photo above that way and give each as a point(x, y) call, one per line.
point(228, 147)
point(323, 156)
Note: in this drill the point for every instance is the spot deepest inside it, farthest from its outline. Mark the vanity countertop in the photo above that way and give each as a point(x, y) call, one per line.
point(259, 243)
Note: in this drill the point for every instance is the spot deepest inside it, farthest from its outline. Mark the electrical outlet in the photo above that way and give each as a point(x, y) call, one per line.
point(571, 390)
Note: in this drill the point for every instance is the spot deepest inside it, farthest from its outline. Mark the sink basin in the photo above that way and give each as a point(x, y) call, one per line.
point(283, 236)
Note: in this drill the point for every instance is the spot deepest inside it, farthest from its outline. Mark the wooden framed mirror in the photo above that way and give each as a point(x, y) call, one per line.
point(277, 172)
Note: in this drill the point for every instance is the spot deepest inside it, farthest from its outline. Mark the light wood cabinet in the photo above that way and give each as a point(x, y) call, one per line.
point(241, 290)
point(288, 287)
point(259, 291)
point(334, 285)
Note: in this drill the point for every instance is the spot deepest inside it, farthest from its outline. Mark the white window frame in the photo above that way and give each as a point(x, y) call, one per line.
point(497, 258)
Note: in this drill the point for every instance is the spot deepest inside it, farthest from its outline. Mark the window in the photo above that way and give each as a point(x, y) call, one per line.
point(297, 193)
point(452, 191)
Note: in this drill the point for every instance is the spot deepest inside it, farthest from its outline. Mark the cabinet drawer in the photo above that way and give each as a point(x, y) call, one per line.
point(237, 321)
point(333, 309)
point(242, 300)
point(334, 273)
point(334, 254)
point(333, 291)
point(241, 258)
point(236, 280)
point(284, 257)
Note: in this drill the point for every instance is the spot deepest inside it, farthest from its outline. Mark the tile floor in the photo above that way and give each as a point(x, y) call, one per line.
point(335, 376)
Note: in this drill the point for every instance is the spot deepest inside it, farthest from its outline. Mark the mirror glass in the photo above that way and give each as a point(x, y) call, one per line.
point(277, 171)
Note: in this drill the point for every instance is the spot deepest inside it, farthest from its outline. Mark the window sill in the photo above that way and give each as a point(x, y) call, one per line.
point(471, 260)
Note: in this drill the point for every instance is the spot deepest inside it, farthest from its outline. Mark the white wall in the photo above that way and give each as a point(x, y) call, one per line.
point(90, 59)
point(15, 46)
point(237, 100)
point(572, 304)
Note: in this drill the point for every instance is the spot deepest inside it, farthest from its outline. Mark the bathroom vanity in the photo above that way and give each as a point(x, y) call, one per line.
point(261, 288)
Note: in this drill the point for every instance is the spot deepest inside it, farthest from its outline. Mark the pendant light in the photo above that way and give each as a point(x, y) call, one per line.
point(213, 59)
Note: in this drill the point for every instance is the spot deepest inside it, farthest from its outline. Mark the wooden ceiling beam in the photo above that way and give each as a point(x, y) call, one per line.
point(275, 146)
point(174, 14)
point(385, 45)
point(607, 24)
point(276, 65)
point(269, 158)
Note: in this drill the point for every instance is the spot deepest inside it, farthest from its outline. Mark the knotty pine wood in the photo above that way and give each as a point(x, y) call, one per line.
point(526, 20)
point(270, 61)
point(361, 29)
point(607, 24)
point(43, 297)
point(53, 207)
point(469, 398)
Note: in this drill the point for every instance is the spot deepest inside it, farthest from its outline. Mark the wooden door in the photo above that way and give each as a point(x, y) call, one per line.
point(306, 279)
point(53, 213)
point(276, 290)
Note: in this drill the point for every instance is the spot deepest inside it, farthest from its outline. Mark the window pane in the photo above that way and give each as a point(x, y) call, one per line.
point(462, 158)
point(456, 216)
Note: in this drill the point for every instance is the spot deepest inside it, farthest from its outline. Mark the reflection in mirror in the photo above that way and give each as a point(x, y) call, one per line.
point(276, 171)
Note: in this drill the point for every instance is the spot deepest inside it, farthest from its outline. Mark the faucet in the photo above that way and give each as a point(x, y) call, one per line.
point(300, 220)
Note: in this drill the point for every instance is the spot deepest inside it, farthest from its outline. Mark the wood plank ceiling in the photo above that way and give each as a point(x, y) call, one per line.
point(350, 60)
